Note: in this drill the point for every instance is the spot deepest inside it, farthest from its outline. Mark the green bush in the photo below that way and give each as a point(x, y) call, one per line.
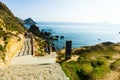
point(41, 50)
point(97, 63)
point(116, 65)
point(70, 69)
point(82, 74)
point(108, 57)
point(2, 55)
point(84, 70)
point(98, 73)
point(1, 48)
point(5, 37)
point(19, 39)
point(2, 33)
point(100, 68)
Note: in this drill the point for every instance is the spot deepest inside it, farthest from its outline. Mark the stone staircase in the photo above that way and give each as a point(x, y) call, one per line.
point(26, 67)
point(26, 49)
point(33, 72)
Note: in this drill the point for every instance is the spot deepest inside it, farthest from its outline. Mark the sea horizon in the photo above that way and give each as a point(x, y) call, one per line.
point(82, 34)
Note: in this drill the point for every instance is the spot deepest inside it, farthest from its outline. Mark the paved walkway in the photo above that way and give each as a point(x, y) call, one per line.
point(29, 59)
point(26, 49)
point(26, 67)
point(33, 72)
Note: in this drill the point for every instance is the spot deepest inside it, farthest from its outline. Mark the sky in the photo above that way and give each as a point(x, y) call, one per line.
point(67, 10)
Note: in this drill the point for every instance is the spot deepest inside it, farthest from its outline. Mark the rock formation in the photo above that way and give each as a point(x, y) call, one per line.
point(29, 21)
point(34, 29)
point(11, 34)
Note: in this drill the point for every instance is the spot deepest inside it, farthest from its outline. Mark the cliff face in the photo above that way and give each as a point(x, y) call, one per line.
point(11, 34)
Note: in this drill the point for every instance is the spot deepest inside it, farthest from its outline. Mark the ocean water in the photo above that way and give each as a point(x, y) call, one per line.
point(82, 34)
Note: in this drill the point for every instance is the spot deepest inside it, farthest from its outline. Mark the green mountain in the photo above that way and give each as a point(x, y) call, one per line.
point(8, 20)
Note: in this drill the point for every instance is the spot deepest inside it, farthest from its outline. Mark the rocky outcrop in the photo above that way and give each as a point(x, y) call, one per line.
point(29, 21)
point(61, 37)
point(34, 30)
point(13, 46)
point(11, 34)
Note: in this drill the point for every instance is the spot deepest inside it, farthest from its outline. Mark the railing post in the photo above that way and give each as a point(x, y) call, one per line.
point(68, 49)
point(31, 45)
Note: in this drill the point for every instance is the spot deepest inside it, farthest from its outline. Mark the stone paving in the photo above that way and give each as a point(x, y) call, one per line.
point(33, 72)
point(26, 67)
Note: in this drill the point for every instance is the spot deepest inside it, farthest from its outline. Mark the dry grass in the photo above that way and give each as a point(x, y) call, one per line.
point(101, 57)
point(73, 58)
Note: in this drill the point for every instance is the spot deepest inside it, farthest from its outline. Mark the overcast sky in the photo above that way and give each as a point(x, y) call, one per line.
point(67, 10)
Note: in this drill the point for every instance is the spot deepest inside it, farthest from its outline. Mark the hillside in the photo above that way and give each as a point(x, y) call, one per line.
point(11, 22)
point(99, 62)
point(11, 34)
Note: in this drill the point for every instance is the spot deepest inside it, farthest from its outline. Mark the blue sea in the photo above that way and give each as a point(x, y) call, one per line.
point(82, 34)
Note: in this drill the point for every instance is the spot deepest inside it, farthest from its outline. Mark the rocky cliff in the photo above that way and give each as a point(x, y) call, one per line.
point(11, 34)
point(29, 21)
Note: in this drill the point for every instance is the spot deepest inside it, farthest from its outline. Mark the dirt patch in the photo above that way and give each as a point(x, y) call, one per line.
point(73, 58)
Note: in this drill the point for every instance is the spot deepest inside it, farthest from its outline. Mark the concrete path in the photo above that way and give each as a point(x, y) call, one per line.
point(29, 59)
point(26, 67)
point(26, 49)
point(33, 72)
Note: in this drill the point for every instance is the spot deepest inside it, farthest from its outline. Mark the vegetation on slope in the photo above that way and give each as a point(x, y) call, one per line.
point(42, 38)
point(94, 62)
point(10, 21)
point(10, 27)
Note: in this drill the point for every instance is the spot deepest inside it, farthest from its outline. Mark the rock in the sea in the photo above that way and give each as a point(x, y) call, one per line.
point(57, 36)
point(54, 37)
point(29, 21)
point(61, 37)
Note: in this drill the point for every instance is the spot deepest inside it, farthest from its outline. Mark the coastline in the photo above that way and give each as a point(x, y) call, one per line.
point(81, 34)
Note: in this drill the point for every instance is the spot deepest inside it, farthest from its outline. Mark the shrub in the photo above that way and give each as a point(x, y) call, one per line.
point(100, 68)
point(84, 69)
point(2, 55)
point(98, 73)
point(82, 74)
point(19, 39)
point(97, 63)
point(108, 57)
point(1, 48)
point(116, 65)
point(5, 37)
